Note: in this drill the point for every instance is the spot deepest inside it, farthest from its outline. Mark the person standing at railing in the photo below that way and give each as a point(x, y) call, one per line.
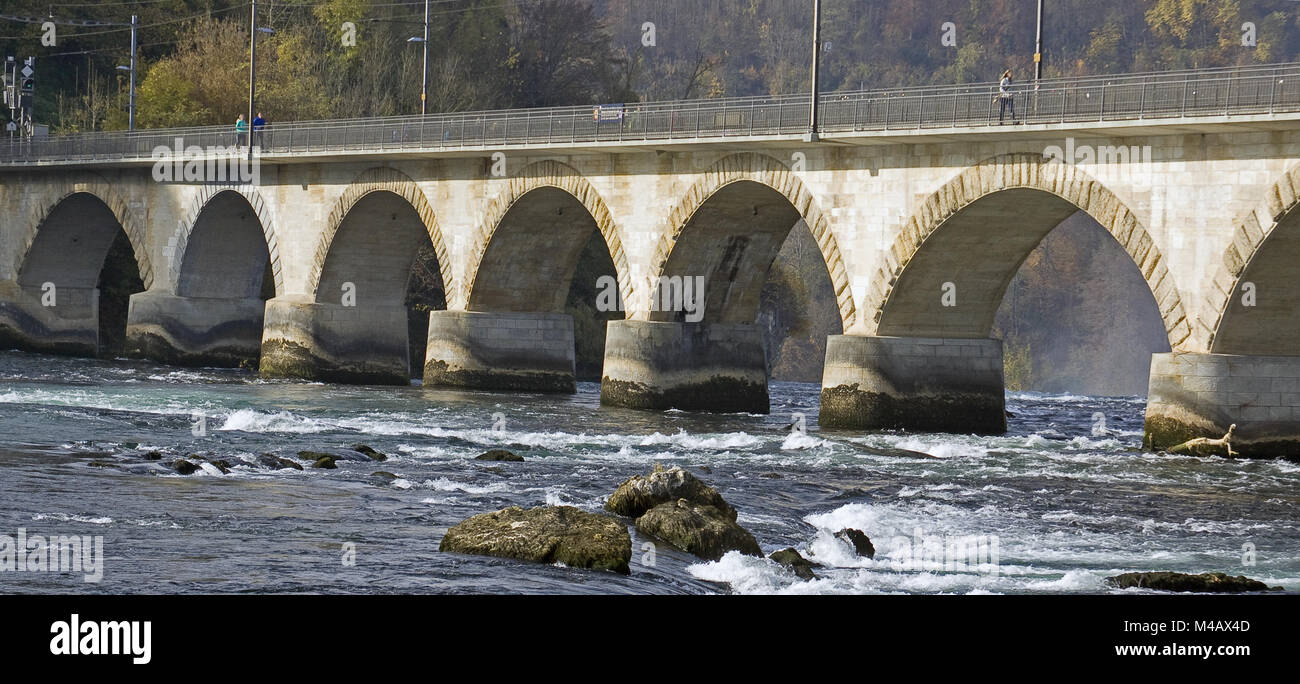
point(259, 125)
point(241, 131)
point(1006, 98)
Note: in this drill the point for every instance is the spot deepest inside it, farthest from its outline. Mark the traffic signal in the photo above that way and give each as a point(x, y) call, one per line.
point(28, 86)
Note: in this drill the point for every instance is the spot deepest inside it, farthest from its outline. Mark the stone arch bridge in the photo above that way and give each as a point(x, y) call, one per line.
point(920, 230)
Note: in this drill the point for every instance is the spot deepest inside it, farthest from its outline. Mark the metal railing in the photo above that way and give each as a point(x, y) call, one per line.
point(1266, 89)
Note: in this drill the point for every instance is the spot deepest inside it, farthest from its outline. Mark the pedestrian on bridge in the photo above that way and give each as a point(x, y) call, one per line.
point(241, 131)
point(259, 125)
point(1006, 98)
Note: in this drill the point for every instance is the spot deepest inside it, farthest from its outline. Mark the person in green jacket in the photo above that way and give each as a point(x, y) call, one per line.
point(241, 130)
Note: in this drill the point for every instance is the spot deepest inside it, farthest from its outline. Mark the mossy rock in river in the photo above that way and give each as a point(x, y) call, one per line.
point(1208, 582)
point(699, 529)
point(277, 463)
point(499, 455)
point(859, 540)
point(793, 560)
point(640, 493)
point(371, 452)
point(184, 467)
point(546, 534)
point(325, 461)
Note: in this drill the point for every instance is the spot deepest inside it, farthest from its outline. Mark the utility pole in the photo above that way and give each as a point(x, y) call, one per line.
point(252, 75)
point(130, 126)
point(424, 87)
point(1038, 46)
point(816, 63)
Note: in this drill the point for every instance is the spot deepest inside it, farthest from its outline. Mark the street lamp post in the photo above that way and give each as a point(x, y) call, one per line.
point(130, 111)
point(253, 30)
point(130, 116)
point(816, 62)
point(424, 77)
point(424, 74)
point(1038, 45)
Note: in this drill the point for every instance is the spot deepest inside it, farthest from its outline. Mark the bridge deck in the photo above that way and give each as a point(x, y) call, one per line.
point(1260, 97)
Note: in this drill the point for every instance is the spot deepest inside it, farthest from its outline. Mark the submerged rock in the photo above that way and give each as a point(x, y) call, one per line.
point(793, 560)
point(1210, 582)
point(326, 461)
point(103, 464)
point(896, 452)
point(220, 464)
point(699, 529)
point(314, 456)
point(499, 455)
point(859, 540)
point(546, 534)
point(277, 463)
point(374, 454)
point(154, 455)
point(184, 467)
point(640, 493)
point(383, 476)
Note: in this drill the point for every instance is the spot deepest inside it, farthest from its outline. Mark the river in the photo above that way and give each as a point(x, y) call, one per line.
point(1064, 499)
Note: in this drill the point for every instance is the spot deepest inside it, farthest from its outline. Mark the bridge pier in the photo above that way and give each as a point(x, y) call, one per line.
point(691, 366)
point(194, 331)
point(1201, 395)
point(525, 352)
point(303, 338)
point(64, 320)
point(913, 383)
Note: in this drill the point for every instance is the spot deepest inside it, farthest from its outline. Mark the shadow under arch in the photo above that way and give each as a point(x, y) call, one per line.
point(694, 344)
point(392, 181)
point(223, 272)
point(217, 205)
point(532, 234)
point(970, 237)
point(1254, 305)
point(743, 190)
point(78, 267)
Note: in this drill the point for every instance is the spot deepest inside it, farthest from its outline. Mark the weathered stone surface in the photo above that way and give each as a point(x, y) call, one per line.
point(195, 331)
point(487, 351)
point(499, 455)
point(689, 366)
point(641, 493)
point(699, 529)
point(795, 562)
point(1194, 399)
point(547, 534)
point(921, 384)
point(859, 540)
point(1209, 582)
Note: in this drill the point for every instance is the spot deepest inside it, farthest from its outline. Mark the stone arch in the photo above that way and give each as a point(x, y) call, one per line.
point(1257, 239)
point(99, 188)
point(536, 176)
point(771, 173)
point(1021, 172)
point(201, 201)
point(380, 179)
